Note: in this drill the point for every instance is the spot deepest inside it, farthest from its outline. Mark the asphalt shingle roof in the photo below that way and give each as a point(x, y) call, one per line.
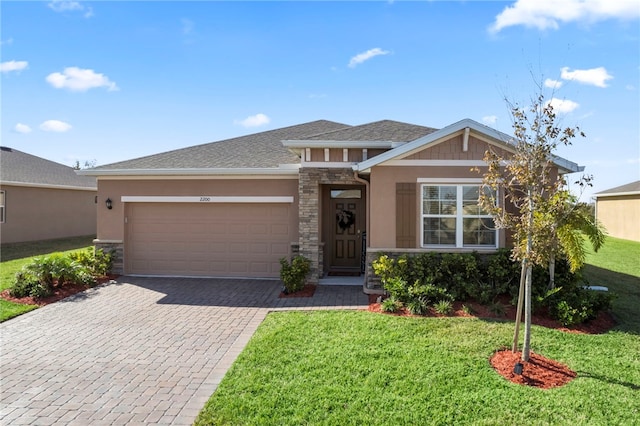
point(20, 167)
point(383, 131)
point(259, 150)
point(630, 187)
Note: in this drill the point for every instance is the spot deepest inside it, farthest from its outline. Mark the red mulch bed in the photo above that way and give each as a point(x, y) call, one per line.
point(59, 293)
point(307, 291)
point(538, 371)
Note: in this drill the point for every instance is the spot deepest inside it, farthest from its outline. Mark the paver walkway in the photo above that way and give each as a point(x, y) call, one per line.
point(143, 350)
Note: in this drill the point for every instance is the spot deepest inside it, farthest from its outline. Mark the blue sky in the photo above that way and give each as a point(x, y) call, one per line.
point(110, 81)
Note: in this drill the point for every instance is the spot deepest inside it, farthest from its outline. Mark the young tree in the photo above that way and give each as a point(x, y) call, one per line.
point(522, 191)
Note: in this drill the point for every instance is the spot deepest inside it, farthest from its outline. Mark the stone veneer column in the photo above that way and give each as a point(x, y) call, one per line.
point(309, 220)
point(309, 181)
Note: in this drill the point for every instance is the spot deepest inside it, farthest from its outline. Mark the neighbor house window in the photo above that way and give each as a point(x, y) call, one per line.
point(2, 203)
point(451, 217)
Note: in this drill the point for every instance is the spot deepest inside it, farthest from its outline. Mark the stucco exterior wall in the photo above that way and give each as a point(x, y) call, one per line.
point(620, 215)
point(383, 196)
point(33, 214)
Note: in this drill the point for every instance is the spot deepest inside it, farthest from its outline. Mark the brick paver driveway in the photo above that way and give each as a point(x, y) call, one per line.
point(143, 350)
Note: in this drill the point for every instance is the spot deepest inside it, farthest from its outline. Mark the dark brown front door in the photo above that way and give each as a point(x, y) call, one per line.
point(347, 207)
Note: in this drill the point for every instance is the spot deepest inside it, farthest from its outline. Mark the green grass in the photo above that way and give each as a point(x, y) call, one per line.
point(352, 368)
point(15, 256)
point(617, 266)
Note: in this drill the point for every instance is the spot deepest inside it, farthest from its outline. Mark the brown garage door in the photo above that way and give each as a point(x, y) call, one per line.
point(217, 240)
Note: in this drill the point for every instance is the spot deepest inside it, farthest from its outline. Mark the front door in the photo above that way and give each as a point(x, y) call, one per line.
point(346, 227)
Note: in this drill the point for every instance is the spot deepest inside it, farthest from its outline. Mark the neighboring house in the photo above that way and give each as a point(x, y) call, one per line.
point(337, 194)
point(618, 209)
point(43, 200)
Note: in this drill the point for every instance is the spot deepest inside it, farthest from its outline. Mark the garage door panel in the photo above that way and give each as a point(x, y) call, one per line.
point(207, 239)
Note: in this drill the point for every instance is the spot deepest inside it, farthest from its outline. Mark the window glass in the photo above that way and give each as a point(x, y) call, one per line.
point(346, 193)
point(451, 216)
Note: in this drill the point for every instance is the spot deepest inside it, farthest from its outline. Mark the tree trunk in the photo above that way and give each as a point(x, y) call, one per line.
point(516, 334)
point(526, 346)
point(552, 271)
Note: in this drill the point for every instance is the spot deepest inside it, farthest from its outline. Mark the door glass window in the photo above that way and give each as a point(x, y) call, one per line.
point(346, 193)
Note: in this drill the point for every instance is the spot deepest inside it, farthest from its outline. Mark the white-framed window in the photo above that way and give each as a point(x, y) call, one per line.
point(451, 217)
point(2, 206)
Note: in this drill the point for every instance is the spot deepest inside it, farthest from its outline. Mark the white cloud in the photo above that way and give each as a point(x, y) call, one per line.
point(365, 56)
point(22, 128)
point(548, 14)
point(552, 84)
point(490, 119)
point(80, 80)
point(630, 87)
point(13, 66)
point(187, 26)
point(595, 76)
point(70, 6)
point(254, 121)
point(55, 126)
point(7, 41)
point(562, 106)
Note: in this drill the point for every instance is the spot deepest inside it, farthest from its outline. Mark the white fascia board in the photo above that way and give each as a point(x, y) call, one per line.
point(47, 186)
point(616, 194)
point(285, 169)
point(301, 144)
point(205, 199)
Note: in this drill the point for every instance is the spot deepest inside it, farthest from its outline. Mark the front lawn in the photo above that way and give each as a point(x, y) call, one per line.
point(15, 256)
point(346, 368)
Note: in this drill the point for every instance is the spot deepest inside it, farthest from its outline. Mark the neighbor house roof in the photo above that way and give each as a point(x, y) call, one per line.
point(632, 188)
point(258, 151)
point(21, 169)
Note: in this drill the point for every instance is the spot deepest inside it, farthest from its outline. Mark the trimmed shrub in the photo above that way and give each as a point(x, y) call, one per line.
point(294, 274)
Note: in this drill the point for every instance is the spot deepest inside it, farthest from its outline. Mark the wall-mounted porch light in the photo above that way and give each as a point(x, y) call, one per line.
point(109, 203)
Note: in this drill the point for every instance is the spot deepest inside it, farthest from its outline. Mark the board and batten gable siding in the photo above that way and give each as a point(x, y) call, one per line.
point(453, 149)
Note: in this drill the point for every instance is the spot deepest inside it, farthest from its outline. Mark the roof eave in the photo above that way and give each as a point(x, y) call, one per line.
point(285, 169)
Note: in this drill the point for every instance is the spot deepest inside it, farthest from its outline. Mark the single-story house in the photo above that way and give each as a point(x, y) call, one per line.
point(334, 193)
point(43, 200)
point(618, 209)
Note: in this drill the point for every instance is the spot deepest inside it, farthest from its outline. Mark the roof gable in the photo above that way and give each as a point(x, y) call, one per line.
point(17, 167)
point(485, 133)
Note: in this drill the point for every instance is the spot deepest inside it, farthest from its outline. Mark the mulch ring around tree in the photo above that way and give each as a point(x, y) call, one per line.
point(59, 292)
point(539, 371)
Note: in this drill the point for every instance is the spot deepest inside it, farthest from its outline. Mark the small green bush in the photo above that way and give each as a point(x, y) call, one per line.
point(27, 285)
point(417, 306)
point(443, 307)
point(97, 261)
point(294, 274)
point(391, 304)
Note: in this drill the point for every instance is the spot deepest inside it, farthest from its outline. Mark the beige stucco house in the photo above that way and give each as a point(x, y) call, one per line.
point(335, 193)
point(42, 200)
point(618, 209)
